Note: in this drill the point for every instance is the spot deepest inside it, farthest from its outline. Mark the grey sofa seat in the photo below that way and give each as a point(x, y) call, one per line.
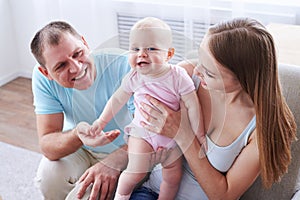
point(290, 183)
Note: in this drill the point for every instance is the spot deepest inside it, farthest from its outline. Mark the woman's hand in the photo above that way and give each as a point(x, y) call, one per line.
point(164, 121)
point(160, 118)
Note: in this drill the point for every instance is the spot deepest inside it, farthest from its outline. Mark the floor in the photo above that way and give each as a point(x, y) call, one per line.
point(18, 178)
point(17, 118)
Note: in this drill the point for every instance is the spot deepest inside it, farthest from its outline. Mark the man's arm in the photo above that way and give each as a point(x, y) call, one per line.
point(54, 143)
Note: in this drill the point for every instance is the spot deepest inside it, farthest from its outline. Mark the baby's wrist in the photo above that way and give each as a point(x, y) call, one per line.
point(101, 122)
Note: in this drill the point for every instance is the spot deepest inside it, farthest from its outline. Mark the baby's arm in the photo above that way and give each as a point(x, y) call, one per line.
point(114, 104)
point(192, 104)
point(94, 136)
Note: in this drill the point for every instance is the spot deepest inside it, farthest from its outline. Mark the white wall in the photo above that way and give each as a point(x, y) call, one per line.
point(94, 19)
point(8, 51)
point(20, 20)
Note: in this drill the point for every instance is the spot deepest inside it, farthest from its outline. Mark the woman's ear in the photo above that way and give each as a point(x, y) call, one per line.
point(44, 71)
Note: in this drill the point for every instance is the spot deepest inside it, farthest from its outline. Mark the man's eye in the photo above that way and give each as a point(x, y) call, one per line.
point(77, 54)
point(60, 66)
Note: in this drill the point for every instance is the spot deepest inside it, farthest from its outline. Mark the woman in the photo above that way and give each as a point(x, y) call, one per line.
point(248, 123)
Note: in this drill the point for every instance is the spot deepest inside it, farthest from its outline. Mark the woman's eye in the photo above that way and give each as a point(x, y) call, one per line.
point(208, 74)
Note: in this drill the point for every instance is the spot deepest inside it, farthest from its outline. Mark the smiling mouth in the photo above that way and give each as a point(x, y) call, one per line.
point(83, 73)
point(140, 64)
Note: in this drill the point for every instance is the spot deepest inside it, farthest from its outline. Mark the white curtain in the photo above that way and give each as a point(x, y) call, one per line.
point(98, 21)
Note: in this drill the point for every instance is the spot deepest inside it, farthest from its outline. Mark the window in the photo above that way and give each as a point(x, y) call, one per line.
point(191, 19)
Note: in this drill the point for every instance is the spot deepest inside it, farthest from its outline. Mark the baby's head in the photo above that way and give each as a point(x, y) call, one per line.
point(151, 30)
point(150, 46)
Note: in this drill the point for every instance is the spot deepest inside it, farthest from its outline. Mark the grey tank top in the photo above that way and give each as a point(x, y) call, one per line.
point(222, 157)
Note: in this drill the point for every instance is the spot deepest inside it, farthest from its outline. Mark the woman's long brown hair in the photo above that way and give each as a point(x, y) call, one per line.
point(245, 47)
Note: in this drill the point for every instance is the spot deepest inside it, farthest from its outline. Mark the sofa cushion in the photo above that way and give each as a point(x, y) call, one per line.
point(290, 183)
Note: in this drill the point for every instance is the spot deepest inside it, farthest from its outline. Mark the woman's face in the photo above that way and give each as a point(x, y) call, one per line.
point(213, 75)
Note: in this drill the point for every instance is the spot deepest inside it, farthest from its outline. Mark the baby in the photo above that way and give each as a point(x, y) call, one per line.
point(149, 53)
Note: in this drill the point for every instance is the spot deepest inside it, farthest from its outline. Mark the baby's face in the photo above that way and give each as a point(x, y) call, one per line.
point(149, 50)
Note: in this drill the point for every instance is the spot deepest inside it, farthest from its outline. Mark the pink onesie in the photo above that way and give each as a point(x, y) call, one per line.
point(168, 89)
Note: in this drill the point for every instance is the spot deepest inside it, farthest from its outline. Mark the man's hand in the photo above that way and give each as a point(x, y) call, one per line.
point(104, 180)
point(83, 132)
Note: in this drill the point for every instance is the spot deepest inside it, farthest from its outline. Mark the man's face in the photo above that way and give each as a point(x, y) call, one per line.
point(70, 63)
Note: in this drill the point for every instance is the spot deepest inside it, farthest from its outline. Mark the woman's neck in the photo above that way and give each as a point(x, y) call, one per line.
point(227, 98)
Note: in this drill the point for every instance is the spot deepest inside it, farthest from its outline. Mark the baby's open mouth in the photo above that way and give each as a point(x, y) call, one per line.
point(142, 63)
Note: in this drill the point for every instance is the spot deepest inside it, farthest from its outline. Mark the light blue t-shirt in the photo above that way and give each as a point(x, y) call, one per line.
point(86, 105)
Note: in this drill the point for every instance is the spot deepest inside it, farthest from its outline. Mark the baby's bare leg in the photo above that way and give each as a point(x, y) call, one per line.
point(139, 152)
point(172, 173)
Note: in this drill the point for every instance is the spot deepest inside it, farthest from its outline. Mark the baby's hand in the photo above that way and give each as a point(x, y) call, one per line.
point(95, 140)
point(96, 128)
point(100, 139)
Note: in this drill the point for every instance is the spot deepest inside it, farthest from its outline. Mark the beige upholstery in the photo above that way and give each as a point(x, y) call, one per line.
point(290, 183)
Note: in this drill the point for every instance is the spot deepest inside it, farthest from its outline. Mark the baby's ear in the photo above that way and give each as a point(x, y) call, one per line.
point(171, 52)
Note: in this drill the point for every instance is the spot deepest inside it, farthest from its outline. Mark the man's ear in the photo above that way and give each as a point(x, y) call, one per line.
point(84, 42)
point(44, 71)
point(171, 52)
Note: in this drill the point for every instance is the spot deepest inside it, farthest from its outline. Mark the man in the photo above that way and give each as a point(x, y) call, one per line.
point(72, 84)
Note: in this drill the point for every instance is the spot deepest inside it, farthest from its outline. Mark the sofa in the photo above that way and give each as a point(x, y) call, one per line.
point(290, 182)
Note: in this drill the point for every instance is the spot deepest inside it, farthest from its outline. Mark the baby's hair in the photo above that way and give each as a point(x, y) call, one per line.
point(154, 24)
point(151, 22)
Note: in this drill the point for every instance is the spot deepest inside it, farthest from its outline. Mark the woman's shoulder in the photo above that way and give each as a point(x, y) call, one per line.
point(188, 65)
